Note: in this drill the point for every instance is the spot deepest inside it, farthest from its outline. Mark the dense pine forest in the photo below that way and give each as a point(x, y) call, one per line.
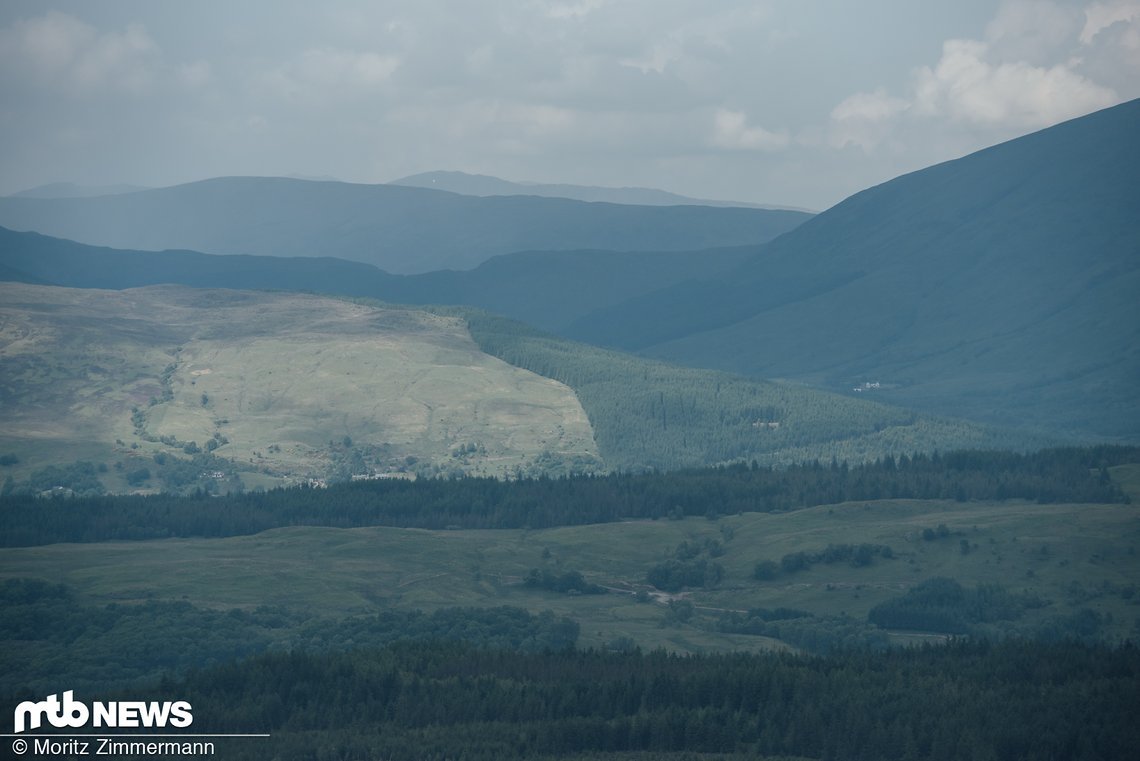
point(1058, 475)
point(651, 414)
point(971, 700)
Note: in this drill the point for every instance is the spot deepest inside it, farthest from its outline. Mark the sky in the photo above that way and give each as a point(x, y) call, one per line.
point(789, 102)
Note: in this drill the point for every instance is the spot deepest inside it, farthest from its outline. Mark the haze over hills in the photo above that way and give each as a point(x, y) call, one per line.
point(485, 185)
point(1000, 286)
point(399, 229)
point(73, 190)
point(547, 289)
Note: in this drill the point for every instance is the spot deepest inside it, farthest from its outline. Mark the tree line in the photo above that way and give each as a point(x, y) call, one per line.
point(1069, 475)
point(51, 638)
point(651, 414)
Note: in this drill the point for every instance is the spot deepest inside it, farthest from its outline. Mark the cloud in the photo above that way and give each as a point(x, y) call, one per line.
point(1039, 63)
point(1037, 32)
point(573, 10)
point(1111, 44)
point(60, 51)
point(731, 131)
point(966, 87)
point(195, 74)
point(656, 60)
point(1100, 16)
point(864, 119)
point(319, 72)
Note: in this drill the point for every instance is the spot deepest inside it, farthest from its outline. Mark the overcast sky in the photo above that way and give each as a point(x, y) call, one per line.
point(795, 102)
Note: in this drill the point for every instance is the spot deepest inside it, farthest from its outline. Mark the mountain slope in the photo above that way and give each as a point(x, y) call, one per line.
point(1000, 286)
point(485, 185)
point(651, 414)
point(399, 229)
point(273, 385)
point(192, 385)
point(548, 289)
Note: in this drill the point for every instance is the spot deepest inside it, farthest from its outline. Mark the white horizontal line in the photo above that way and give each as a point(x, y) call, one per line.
point(104, 734)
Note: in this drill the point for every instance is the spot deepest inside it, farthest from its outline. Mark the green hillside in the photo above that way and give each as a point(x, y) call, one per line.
point(169, 387)
point(399, 229)
point(652, 414)
point(999, 287)
point(176, 388)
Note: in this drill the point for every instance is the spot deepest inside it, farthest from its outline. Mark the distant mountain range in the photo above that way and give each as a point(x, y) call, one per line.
point(547, 289)
point(72, 190)
point(1000, 287)
point(399, 229)
point(485, 185)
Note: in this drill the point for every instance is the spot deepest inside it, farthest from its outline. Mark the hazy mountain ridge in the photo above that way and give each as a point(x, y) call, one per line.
point(75, 190)
point(1000, 286)
point(486, 185)
point(548, 289)
point(399, 229)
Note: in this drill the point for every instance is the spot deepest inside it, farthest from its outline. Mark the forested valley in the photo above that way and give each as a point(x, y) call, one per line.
point(1048, 476)
point(996, 678)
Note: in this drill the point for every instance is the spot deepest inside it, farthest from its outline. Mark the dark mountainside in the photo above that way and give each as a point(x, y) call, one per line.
point(29, 257)
point(399, 229)
point(485, 185)
point(547, 289)
point(1000, 286)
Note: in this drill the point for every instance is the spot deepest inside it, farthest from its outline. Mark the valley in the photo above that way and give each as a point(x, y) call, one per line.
point(1074, 557)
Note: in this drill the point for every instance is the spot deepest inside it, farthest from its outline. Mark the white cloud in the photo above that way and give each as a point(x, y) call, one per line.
point(196, 74)
point(968, 88)
point(731, 131)
point(1032, 70)
point(1037, 32)
point(1111, 43)
point(574, 10)
point(1099, 16)
point(656, 60)
point(59, 50)
point(864, 119)
point(323, 71)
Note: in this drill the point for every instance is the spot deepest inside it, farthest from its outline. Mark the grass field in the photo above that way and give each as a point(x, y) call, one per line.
point(282, 386)
point(1074, 556)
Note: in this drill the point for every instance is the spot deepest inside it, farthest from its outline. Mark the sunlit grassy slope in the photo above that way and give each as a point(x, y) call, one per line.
point(279, 385)
point(1073, 556)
